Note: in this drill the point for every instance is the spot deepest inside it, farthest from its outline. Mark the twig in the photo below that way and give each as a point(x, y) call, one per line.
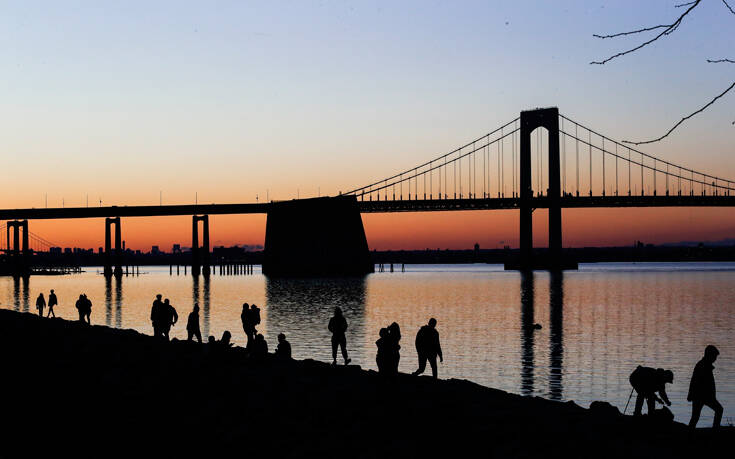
point(667, 30)
point(728, 6)
point(717, 61)
point(632, 31)
point(685, 118)
point(682, 4)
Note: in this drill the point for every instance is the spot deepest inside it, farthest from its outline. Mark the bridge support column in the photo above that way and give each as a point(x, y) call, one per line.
point(530, 121)
point(316, 237)
point(110, 256)
point(19, 251)
point(200, 254)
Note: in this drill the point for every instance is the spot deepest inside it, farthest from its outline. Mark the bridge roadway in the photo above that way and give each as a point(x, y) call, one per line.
point(421, 205)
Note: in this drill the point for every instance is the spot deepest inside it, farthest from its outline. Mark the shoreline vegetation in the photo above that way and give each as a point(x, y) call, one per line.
point(92, 390)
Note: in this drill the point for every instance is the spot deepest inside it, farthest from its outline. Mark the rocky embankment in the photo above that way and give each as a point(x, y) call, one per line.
point(73, 390)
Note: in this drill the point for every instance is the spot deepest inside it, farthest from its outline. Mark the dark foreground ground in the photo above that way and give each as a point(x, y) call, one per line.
point(71, 390)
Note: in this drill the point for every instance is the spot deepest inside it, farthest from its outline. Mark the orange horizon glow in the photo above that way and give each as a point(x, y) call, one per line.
point(421, 230)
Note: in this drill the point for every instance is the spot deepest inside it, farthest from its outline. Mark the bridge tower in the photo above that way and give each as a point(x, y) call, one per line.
point(20, 249)
point(530, 120)
point(109, 254)
point(200, 254)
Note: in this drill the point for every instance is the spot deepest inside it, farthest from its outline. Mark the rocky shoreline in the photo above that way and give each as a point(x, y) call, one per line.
point(92, 390)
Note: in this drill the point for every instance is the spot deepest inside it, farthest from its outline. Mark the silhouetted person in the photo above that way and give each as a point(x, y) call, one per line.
point(383, 344)
point(338, 327)
point(260, 347)
point(647, 381)
point(254, 316)
point(428, 347)
point(394, 356)
point(157, 315)
point(40, 304)
point(225, 342)
point(702, 387)
point(87, 308)
point(168, 319)
point(52, 301)
point(283, 350)
point(192, 325)
point(81, 307)
point(247, 324)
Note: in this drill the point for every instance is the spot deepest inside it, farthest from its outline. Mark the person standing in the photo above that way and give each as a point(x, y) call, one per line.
point(428, 348)
point(702, 388)
point(157, 315)
point(52, 301)
point(87, 308)
point(338, 327)
point(192, 325)
point(81, 307)
point(170, 317)
point(247, 324)
point(40, 304)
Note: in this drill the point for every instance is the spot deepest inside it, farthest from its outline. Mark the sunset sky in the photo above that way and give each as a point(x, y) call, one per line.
point(128, 102)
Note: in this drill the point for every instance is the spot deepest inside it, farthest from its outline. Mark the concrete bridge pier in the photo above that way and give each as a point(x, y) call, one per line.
point(200, 254)
point(113, 257)
point(316, 237)
point(20, 252)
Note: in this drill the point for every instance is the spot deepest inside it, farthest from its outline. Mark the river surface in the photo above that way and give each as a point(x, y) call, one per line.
point(598, 323)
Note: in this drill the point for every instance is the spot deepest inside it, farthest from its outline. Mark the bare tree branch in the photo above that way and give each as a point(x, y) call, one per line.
point(682, 4)
point(667, 30)
point(632, 32)
point(728, 6)
point(717, 61)
point(685, 118)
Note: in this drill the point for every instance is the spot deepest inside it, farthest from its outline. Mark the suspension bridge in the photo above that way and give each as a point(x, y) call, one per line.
point(541, 159)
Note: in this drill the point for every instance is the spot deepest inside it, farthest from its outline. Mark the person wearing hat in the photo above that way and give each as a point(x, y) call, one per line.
point(702, 387)
point(647, 382)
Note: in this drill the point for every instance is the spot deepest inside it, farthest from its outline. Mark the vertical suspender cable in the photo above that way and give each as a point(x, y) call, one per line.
point(576, 138)
point(603, 166)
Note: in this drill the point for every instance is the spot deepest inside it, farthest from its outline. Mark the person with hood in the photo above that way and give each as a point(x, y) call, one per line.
point(702, 387)
point(40, 304)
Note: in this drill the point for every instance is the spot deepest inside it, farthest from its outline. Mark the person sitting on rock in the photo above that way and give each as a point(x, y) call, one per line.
point(260, 347)
point(702, 388)
point(283, 350)
point(428, 348)
point(338, 326)
point(647, 381)
point(40, 304)
point(192, 325)
point(225, 342)
point(52, 301)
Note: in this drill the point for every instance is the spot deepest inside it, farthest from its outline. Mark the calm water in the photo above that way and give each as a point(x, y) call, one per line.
point(598, 323)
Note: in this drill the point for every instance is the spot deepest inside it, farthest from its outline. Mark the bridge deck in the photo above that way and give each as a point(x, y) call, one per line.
point(421, 205)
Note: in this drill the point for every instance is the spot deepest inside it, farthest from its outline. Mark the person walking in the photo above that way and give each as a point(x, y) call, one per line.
point(192, 325)
point(52, 301)
point(40, 304)
point(428, 348)
point(87, 308)
point(168, 319)
point(647, 381)
point(702, 388)
point(338, 327)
